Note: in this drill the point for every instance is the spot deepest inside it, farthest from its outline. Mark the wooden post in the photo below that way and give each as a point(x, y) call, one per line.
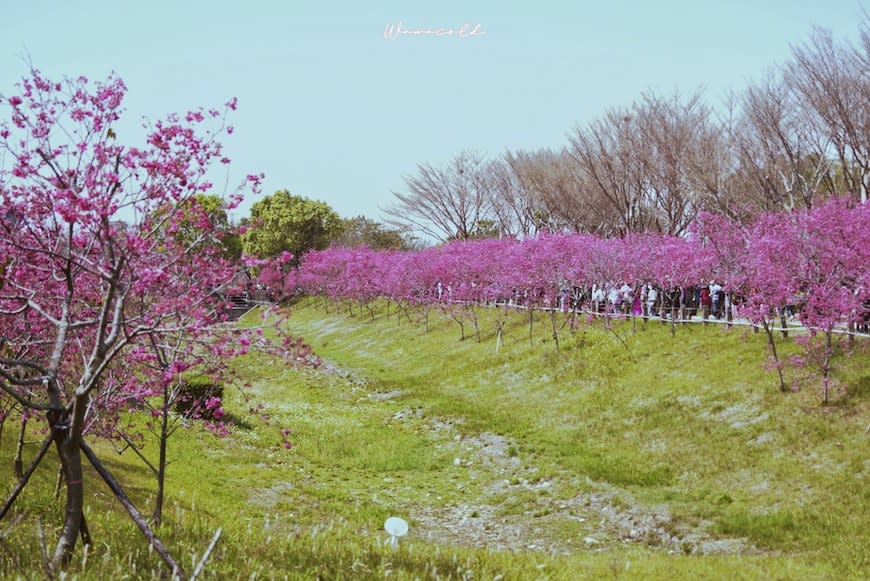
point(155, 542)
point(26, 476)
point(729, 313)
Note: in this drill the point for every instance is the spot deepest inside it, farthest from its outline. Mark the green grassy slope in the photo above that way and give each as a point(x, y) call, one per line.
point(625, 453)
point(687, 426)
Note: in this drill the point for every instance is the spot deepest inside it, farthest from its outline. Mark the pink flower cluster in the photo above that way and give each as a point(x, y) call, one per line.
point(818, 257)
point(109, 270)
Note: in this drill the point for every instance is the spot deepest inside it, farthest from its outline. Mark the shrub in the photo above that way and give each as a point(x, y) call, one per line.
point(199, 397)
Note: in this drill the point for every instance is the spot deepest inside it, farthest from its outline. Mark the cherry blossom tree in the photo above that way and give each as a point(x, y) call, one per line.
point(97, 282)
point(817, 255)
point(831, 258)
point(755, 262)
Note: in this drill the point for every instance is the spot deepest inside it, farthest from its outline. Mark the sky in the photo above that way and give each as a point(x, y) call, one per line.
point(332, 109)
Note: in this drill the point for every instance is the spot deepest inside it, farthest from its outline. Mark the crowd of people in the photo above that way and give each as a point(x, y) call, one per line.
point(708, 301)
point(643, 300)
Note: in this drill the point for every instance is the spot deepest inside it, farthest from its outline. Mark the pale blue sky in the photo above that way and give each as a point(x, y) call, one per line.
point(330, 109)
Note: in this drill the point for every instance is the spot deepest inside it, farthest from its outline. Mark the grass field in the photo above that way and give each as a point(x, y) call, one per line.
point(625, 452)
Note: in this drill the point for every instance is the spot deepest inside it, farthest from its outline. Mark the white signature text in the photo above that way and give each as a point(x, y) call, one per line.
point(394, 31)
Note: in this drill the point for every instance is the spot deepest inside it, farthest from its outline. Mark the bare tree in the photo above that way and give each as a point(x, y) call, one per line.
point(514, 204)
point(862, 51)
point(714, 166)
point(797, 136)
point(609, 152)
point(561, 198)
point(782, 157)
point(833, 81)
point(449, 203)
point(671, 130)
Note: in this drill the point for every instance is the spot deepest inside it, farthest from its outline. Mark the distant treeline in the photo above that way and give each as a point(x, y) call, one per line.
point(794, 138)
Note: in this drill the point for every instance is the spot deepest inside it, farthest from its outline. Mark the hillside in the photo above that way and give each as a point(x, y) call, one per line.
point(626, 452)
point(677, 444)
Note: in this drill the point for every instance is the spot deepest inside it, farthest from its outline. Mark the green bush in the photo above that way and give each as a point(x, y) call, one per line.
point(194, 391)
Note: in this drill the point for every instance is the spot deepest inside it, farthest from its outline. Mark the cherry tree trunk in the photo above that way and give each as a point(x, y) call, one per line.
point(474, 322)
point(157, 515)
point(826, 361)
point(772, 344)
point(68, 439)
point(555, 330)
point(531, 321)
point(18, 463)
point(72, 461)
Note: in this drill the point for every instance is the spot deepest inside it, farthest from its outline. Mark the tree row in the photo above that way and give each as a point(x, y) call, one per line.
point(788, 141)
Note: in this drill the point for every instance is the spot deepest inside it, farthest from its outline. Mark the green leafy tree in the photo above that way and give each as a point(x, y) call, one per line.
point(206, 215)
point(283, 222)
point(362, 231)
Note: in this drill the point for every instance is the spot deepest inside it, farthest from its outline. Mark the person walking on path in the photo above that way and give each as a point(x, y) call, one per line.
point(706, 302)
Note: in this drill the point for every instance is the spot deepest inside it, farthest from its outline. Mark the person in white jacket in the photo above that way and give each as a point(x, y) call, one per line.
point(651, 296)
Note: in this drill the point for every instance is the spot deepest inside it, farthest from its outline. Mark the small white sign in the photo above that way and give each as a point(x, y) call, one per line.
point(396, 527)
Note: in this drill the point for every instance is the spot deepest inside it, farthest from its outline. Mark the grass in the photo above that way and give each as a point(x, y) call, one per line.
point(626, 453)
